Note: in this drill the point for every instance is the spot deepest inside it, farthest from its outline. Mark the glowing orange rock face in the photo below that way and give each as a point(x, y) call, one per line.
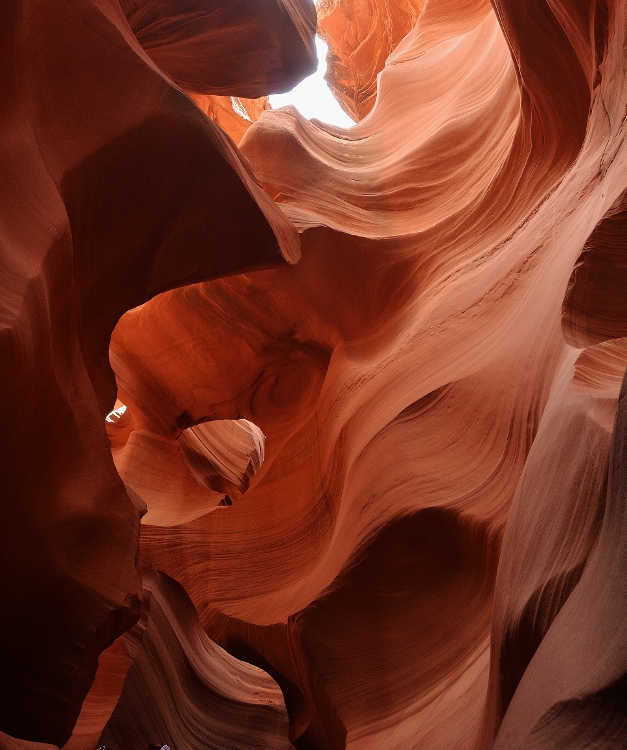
point(432, 552)
point(360, 35)
point(378, 578)
point(233, 114)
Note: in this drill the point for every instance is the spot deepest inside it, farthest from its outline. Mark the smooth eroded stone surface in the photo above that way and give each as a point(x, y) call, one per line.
point(233, 114)
point(430, 552)
point(114, 187)
point(227, 47)
point(411, 365)
point(184, 690)
point(582, 703)
point(595, 308)
point(223, 455)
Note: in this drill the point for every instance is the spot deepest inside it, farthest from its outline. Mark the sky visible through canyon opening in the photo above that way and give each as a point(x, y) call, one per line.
point(313, 98)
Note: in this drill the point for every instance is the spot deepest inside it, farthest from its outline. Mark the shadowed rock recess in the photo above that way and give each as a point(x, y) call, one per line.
point(317, 441)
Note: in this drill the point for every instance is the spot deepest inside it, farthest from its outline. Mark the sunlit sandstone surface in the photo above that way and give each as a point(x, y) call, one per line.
point(313, 438)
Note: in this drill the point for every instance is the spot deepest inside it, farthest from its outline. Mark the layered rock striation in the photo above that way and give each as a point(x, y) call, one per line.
point(115, 187)
point(387, 481)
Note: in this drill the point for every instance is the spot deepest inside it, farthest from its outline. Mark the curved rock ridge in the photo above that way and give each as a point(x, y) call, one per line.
point(115, 187)
point(227, 47)
point(594, 307)
point(185, 691)
point(599, 369)
point(413, 382)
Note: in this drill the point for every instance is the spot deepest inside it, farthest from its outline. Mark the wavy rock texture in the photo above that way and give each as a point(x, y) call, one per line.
point(227, 47)
point(223, 455)
point(115, 187)
point(431, 553)
point(401, 373)
point(185, 691)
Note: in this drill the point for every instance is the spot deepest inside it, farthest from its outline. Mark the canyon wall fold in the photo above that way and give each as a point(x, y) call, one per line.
point(115, 187)
point(368, 498)
point(220, 702)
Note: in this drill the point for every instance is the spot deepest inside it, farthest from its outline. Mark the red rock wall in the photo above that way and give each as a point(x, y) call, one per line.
point(115, 187)
point(419, 543)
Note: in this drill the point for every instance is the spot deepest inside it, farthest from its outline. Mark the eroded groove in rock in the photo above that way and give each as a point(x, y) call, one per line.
point(185, 691)
point(114, 187)
point(583, 701)
point(594, 306)
point(552, 528)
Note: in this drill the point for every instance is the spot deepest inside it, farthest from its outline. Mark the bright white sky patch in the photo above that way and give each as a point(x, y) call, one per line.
point(313, 98)
point(114, 415)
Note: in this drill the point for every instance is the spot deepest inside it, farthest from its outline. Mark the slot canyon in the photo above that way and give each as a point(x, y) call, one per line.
point(313, 438)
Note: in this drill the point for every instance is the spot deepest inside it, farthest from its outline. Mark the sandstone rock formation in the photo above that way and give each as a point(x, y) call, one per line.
point(220, 701)
point(115, 187)
point(361, 34)
point(233, 114)
point(387, 481)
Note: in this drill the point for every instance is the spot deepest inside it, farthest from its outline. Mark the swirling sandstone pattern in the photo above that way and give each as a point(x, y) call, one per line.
point(225, 703)
point(115, 187)
point(432, 553)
